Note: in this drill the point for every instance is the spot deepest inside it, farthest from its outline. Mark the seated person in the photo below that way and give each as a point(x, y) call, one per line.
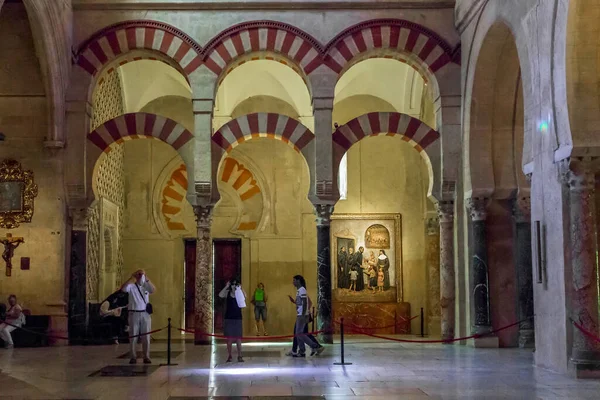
point(112, 311)
point(14, 319)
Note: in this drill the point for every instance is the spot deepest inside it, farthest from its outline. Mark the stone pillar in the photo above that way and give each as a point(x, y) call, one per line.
point(323, 213)
point(480, 295)
point(585, 355)
point(447, 274)
point(77, 302)
point(432, 249)
point(204, 276)
point(522, 216)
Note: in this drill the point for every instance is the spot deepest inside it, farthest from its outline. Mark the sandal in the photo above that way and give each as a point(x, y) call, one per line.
point(240, 359)
point(228, 359)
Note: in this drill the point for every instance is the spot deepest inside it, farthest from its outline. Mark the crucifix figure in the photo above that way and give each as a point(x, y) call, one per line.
point(10, 244)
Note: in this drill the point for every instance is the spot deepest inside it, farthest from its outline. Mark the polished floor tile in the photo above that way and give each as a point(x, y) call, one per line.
point(379, 370)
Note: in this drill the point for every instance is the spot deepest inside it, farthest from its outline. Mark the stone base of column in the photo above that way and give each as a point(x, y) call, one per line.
point(526, 338)
point(434, 327)
point(485, 342)
point(325, 338)
point(585, 365)
point(202, 341)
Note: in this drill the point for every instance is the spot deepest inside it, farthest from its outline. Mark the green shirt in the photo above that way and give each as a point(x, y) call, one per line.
point(259, 295)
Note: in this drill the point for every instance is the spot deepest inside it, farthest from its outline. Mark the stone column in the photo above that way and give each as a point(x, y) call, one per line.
point(447, 274)
point(522, 216)
point(432, 246)
point(77, 281)
point(323, 213)
point(479, 276)
point(204, 276)
point(585, 355)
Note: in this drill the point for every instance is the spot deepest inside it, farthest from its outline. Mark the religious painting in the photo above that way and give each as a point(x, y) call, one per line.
point(366, 258)
point(17, 192)
point(11, 197)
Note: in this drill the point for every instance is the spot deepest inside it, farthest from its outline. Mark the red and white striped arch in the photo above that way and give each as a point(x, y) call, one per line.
point(399, 35)
point(411, 129)
point(113, 41)
point(257, 36)
point(268, 125)
point(139, 125)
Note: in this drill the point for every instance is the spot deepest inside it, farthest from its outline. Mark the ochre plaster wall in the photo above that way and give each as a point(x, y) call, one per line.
point(287, 245)
point(23, 120)
point(143, 245)
point(386, 175)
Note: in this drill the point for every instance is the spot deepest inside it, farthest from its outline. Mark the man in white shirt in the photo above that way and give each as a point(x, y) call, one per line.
point(302, 318)
point(139, 287)
point(14, 317)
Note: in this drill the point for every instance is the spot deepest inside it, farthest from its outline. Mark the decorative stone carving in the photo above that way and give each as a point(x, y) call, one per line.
point(522, 210)
point(204, 276)
point(477, 207)
point(432, 225)
point(324, 188)
point(80, 218)
point(17, 193)
point(323, 213)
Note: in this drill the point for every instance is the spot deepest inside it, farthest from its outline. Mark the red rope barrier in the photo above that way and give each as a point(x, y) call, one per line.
point(250, 337)
point(66, 338)
point(477, 335)
point(586, 332)
point(377, 327)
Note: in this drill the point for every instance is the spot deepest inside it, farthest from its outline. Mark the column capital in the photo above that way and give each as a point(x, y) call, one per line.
point(445, 210)
point(522, 209)
point(577, 173)
point(477, 207)
point(432, 225)
point(203, 216)
point(80, 217)
point(323, 213)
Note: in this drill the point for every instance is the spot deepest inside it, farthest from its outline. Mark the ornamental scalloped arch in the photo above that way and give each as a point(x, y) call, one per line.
point(420, 47)
point(265, 125)
point(419, 135)
point(138, 126)
point(299, 48)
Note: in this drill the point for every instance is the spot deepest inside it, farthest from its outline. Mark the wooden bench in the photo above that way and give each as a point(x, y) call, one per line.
point(34, 332)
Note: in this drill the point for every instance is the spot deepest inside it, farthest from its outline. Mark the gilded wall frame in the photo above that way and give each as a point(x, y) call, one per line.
point(354, 226)
point(17, 193)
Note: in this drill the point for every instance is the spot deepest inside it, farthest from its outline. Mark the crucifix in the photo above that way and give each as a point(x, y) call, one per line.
point(10, 244)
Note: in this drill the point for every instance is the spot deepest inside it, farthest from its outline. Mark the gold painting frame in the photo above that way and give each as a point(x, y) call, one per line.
point(394, 219)
point(16, 186)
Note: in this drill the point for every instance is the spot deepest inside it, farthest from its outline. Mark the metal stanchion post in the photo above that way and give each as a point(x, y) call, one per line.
point(422, 323)
point(342, 344)
point(313, 322)
point(168, 345)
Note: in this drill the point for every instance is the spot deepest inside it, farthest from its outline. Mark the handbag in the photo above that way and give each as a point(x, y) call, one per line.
point(149, 308)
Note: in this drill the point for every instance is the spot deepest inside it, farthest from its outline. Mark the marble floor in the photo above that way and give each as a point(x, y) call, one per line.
point(379, 370)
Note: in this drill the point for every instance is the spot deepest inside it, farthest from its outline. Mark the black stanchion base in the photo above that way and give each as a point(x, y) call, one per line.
point(167, 365)
point(340, 363)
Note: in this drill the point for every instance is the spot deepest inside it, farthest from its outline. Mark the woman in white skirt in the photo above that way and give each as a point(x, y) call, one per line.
point(232, 325)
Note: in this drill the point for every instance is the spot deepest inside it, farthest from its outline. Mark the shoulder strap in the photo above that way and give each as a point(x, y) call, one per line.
point(139, 290)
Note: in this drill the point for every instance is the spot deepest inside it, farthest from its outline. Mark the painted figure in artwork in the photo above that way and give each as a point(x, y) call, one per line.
point(342, 262)
point(380, 279)
point(10, 244)
point(384, 263)
point(358, 264)
point(349, 263)
point(372, 270)
point(353, 277)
